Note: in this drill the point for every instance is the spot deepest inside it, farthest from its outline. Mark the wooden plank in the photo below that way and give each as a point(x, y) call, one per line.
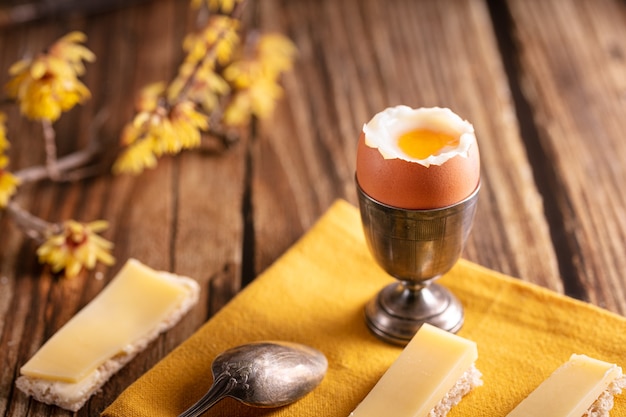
point(182, 216)
point(34, 305)
point(300, 164)
point(224, 219)
point(384, 55)
point(574, 77)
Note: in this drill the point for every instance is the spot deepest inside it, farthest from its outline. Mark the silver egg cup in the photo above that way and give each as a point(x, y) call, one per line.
point(416, 247)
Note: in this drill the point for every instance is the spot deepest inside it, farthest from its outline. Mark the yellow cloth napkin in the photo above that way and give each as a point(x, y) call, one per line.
point(315, 294)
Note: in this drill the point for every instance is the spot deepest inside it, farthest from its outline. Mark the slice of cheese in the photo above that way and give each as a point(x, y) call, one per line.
point(570, 390)
point(428, 367)
point(136, 301)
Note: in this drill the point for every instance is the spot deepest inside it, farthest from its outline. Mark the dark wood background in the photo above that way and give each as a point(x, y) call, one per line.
point(543, 82)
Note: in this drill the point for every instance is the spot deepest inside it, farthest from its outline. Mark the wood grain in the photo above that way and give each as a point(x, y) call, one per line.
point(574, 78)
point(437, 65)
point(543, 82)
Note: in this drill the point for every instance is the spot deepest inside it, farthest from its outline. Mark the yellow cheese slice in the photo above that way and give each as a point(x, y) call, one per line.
point(570, 390)
point(428, 367)
point(129, 307)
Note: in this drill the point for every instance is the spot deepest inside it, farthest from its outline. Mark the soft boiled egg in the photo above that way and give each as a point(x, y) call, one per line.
point(422, 158)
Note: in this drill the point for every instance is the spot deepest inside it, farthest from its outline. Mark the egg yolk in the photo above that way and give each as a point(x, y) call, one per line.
point(422, 143)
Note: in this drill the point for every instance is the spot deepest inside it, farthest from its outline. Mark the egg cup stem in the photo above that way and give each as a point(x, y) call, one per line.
point(400, 309)
point(416, 247)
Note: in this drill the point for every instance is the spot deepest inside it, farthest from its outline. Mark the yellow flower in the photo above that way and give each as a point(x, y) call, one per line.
point(48, 85)
point(238, 111)
point(197, 79)
point(220, 36)
point(163, 137)
point(69, 49)
point(180, 129)
point(242, 73)
point(276, 53)
point(8, 183)
point(263, 94)
point(256, 79)
point(47, 98)
point(187, 122)
point(258, 100)
point(4, 142)
point(76, 246)
point(205, 88)
point(226, 6)
point(149, 97)
point(135, 158)
point(153, 134)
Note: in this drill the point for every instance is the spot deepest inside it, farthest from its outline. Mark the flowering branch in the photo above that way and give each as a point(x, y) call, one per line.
point(69, 246)
point(33, 226)
point(224, 81)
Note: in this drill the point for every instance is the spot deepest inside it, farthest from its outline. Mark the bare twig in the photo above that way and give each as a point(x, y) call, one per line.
point(33, 226)
point(71, 167)
point(225, 140)
point(65, 164)
point(49, 136)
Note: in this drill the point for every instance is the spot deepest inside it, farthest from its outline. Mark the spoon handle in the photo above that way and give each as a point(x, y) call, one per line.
point(221, 387)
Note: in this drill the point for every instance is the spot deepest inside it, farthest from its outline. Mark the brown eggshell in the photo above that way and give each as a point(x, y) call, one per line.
point(409, 185)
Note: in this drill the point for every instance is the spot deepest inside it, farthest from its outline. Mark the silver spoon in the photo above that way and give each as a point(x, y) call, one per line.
point(263, 374)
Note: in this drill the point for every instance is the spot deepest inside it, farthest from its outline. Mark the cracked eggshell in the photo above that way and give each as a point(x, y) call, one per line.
point(387, 175)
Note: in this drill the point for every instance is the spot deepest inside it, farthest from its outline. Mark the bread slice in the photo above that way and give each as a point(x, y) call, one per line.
point(584, 386)
point(472, 378)
point(431, 375)
point(604, 403)
point(73, 395)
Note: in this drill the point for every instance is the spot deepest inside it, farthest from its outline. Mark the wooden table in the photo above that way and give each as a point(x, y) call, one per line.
point(543, 82)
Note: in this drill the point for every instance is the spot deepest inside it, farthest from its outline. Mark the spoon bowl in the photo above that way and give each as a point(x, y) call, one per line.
point(263, 374)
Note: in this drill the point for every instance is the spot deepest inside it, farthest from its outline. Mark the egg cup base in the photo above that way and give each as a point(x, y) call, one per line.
point(400, 309)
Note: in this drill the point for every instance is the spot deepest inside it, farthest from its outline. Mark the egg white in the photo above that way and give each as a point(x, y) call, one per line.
point(384, 129)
